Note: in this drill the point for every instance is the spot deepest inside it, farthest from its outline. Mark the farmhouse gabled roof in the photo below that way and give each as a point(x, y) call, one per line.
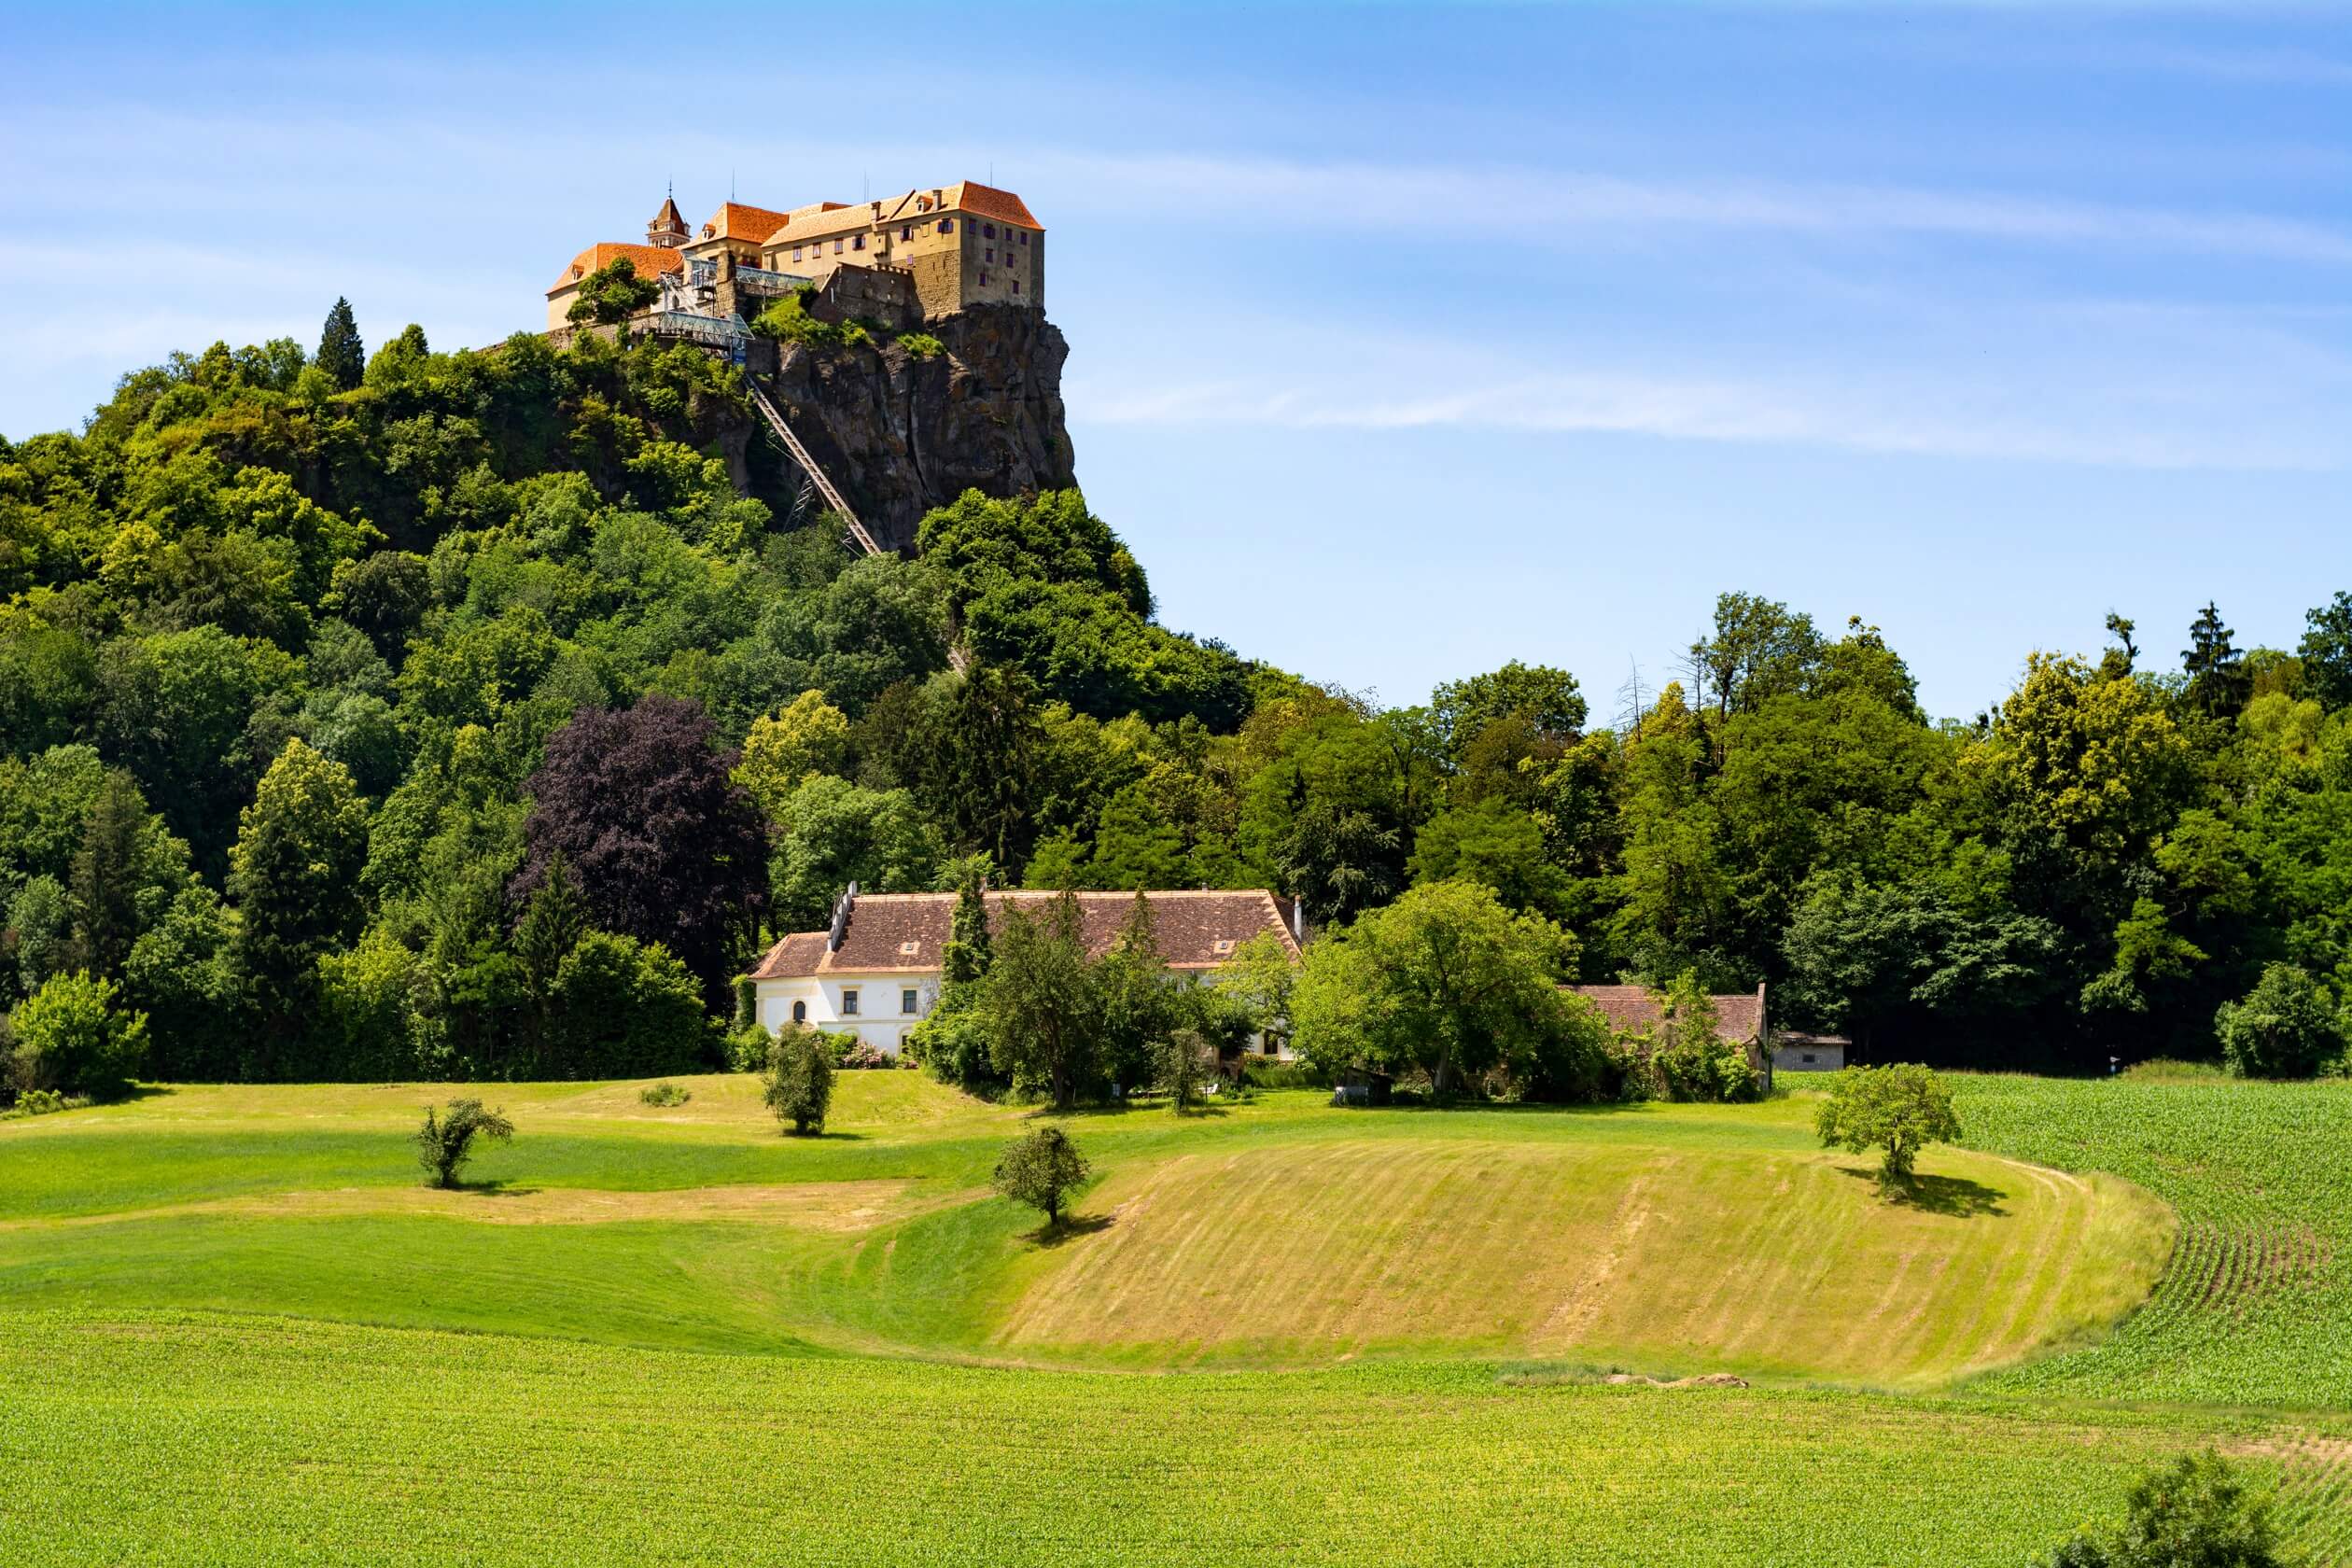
point(1632, 1009)
point(905, 932)
point(647, 260)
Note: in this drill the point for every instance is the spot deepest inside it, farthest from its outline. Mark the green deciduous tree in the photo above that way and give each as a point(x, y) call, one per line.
point(1897, 1110)
point(294, 876)
point(2286, 1027)
point(75, 1036)
point(1444, 981)
point(1042, 1170)
point(446, 1141)
point(800, 1079)
point(1045, 1004)
point(614, 292)
point(2191, 1513)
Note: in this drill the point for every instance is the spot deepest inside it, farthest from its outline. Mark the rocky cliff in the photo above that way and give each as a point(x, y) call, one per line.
point(900, 433)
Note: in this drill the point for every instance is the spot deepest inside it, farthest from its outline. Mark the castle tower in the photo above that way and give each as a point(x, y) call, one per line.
point(668, 229)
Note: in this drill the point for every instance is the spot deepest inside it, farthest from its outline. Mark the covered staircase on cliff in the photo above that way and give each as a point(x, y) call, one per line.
point(807, 465)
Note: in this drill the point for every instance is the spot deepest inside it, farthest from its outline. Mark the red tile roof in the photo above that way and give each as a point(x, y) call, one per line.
point(647, 259)
point(904, 932)
point(736, 221)
point(1632, 1009)
point(988, 202)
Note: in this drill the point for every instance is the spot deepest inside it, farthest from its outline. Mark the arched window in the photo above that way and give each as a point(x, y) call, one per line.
point(800, 1012)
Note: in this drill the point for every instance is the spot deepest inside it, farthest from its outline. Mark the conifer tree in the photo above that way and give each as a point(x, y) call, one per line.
point(106, 877)
point(341, 353)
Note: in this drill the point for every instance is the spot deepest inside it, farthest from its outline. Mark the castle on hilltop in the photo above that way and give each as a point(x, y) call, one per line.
point(931, 253)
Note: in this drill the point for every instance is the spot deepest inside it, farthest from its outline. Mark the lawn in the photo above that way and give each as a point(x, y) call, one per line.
point(235, 1328)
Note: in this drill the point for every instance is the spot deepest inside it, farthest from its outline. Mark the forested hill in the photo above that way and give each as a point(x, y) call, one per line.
point(462, 716)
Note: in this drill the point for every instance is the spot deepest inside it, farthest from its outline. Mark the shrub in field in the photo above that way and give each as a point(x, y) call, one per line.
point(72, 1037)
point(1897, 1111)
point(860, 1058)
point(45, 1102)
point(1041, 1171)
point(665, 1094)
point(1181, 1061)
point(2193, 1513)
point(2286, 1027)
point(749, 1048)
point(445, 1142)
point(800, 1079)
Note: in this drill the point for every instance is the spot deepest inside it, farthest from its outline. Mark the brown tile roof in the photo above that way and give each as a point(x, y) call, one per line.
point(891, 932)
point(736, 221)
point(1632, 1009)
point(647, 259)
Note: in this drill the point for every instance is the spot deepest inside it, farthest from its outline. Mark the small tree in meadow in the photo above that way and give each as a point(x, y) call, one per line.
point(1041, 1171)
point(2193, 1513)
point(445, 1142)
point(1183, 1061)
point(800, 1080)
point(1897, 1111)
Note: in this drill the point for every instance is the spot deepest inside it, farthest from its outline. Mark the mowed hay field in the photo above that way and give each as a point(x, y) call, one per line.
point(1691, 1256)
point(234, 1328)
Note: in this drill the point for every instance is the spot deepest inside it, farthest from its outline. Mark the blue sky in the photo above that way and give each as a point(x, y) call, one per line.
point(1404, 339)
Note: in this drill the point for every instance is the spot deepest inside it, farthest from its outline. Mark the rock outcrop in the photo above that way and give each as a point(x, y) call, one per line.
point(900, 434)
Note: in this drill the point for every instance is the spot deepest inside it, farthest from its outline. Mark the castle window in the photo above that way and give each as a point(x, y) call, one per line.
point(858, 244)
point(1017, 286)
point(987, 230)
point(907, 232)
point(988, 255)
point(836, 247)
point(946, 225)
point(1025, 236)
point(983, 278)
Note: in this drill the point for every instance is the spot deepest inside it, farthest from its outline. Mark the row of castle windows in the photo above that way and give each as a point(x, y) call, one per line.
point(947, 226)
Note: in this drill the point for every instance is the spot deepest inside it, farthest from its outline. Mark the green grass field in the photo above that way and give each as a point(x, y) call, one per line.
point(235, 1328)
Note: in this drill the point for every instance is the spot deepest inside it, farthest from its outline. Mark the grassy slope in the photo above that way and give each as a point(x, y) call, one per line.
point(1278, 1232)
point(283, 1439)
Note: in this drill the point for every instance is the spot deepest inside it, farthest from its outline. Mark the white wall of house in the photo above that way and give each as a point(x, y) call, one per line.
point(880, 1013)
point(881, 1017)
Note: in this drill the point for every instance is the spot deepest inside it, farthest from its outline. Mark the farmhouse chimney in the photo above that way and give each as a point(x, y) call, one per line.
point(842, 907)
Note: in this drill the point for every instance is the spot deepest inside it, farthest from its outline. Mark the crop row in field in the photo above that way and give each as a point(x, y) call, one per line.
point(170, 1438)
point(2257, 1304)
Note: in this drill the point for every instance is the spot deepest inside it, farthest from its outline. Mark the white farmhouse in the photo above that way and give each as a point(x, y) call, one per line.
point(876, 973)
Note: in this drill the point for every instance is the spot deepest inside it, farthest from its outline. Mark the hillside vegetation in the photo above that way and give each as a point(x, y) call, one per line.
point(314, 681)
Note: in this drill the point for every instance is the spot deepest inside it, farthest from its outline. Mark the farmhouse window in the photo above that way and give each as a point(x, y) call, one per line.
point(907, 999)
point(850, 1001)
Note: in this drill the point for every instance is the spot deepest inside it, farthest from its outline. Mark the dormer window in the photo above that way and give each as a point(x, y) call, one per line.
point(908, 949)
point(1223, 946)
